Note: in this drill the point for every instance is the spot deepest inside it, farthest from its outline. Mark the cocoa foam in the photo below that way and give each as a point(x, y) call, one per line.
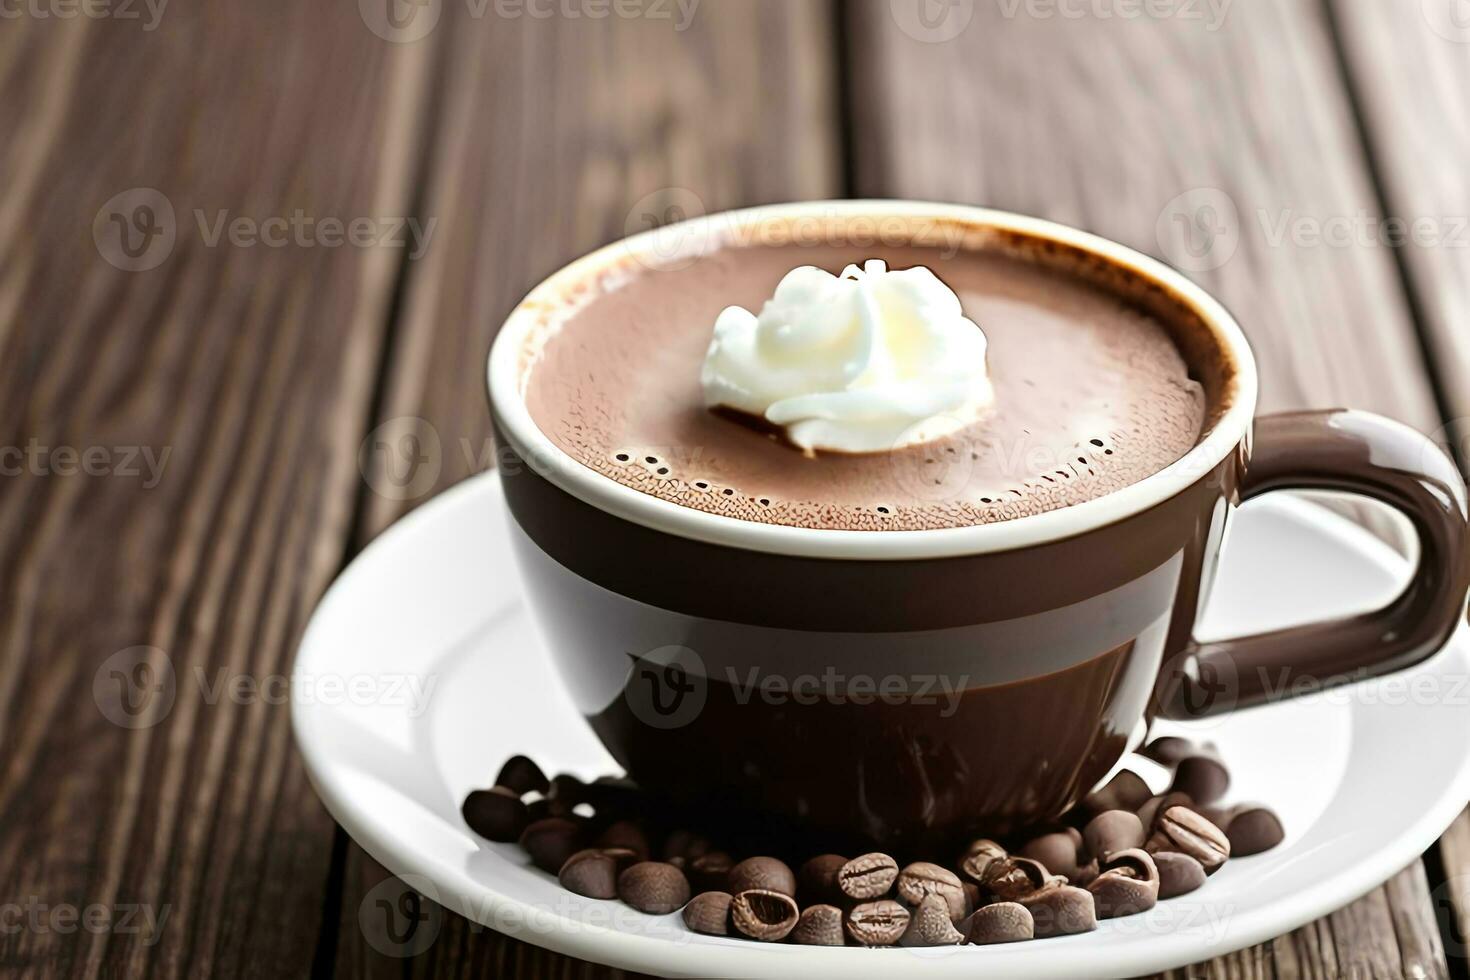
point(1092, 394)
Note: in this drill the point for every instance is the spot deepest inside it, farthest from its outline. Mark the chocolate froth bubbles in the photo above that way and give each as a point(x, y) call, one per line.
point(870, 360)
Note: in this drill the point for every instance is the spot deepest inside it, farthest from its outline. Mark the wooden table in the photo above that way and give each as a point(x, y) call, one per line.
point(259, 356)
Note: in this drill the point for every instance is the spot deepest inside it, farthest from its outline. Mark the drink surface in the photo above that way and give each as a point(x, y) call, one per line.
point(1091, 395)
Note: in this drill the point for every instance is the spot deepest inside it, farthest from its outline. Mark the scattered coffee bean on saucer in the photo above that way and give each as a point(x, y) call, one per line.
point(918, 881)
point(711, 871)
point(1125, 791)
point(656, 887)
point(1125, 859)
point(592, 873)
point(1003, 922)
point(1061, 910)
point(867, 876)
point(522, 776)
point(1168, 750)
point(880, 923)
point(1110, 832)
point(495, 814)
point(931, 924)
point(762, 874)
point(627, 835)
point(1203, 777)
point(1149, 812)
point(1253, 830)
point(978, 857)
point(709, 913)
point(767, 916)
point(551, 841)
point(1127, 884)
point(1181, 829)
point(817, 879)
point(820, 925)
point(1179, 874)
point(1060, 852)
point(1012, 879)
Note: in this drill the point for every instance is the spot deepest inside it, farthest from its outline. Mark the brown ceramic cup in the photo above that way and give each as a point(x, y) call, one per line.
point(907, 687)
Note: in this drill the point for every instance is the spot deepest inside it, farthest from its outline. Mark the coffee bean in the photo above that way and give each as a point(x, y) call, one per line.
point(1057, 851)
point(973, 897)
point(867, 876)
point(1112, 831)
point(880, 923)
point(817, 879)
point(931, 924)
point(1148, 814)
point(625, 834)
point(1128, 883)
point(1125, 791)
point(1254, 830)
point(1003, 922)
point(495, 814)
point(1167, 750)
point(566, 789)
point(522, 776)
point(1061, 910)
point(613, 797)
point(625, 858)
point(551, 841)
point(819, 925)
point(1181, 829)
point(1203, 777)
point(709, 913)
point(543, 808)
point(762, 874)
point(1013, 878)
point(592, 872)
point(919, 880)
point(978, 857)
point(654, 887)
point(764, 915)
point(1179, 874)
point(685, 844)
point(711, 871)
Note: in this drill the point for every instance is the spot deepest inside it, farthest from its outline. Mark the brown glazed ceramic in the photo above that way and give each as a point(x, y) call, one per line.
point(916, 687)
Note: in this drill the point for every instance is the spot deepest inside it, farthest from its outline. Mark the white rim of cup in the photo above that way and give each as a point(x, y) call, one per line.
point(505, 370)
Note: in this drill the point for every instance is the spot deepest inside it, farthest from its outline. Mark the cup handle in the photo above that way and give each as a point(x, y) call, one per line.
point(1362, 453)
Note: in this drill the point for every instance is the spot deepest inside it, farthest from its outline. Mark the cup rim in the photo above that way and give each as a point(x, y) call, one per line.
point(506, 367)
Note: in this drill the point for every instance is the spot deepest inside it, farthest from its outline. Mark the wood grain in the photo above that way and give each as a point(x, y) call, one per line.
point(1409, 69)
point(253, 369)
point(1122, 126)
point(639, 123)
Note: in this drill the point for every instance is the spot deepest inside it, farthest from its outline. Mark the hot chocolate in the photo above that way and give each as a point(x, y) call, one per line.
point(1090, 394)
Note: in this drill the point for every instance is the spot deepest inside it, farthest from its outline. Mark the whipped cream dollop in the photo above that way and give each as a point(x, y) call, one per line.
point(867, 361)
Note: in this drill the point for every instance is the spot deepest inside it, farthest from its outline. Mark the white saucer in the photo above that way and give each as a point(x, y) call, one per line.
point(420, 673)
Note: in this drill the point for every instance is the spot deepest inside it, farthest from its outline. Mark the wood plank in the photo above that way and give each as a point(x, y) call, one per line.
point(1148, 130)
point(252, 368)
point(535, 167)
point(1408, 70)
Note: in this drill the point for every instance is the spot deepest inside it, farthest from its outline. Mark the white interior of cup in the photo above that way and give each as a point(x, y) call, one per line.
point(538, 316)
